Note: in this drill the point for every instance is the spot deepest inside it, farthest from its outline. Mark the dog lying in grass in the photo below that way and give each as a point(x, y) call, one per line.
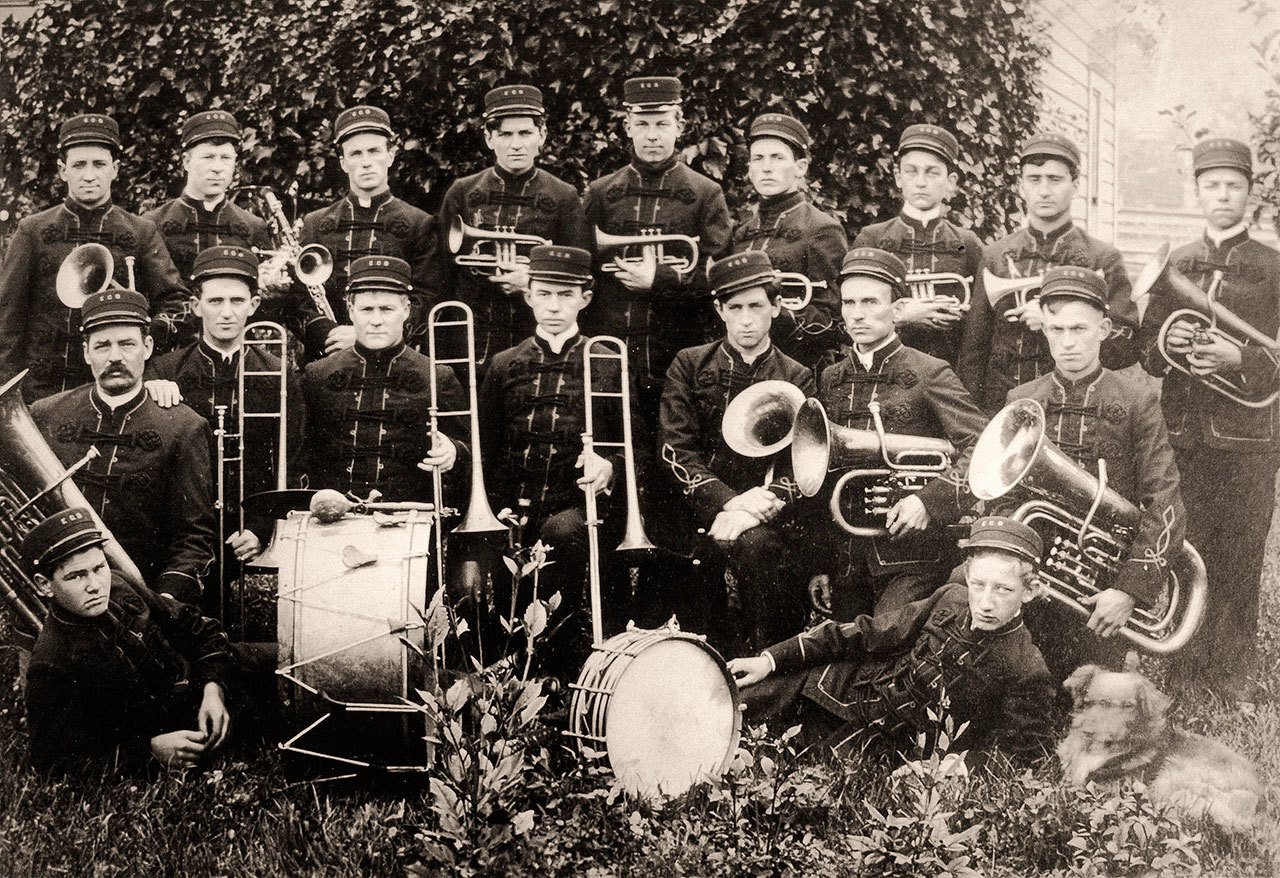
point(1119, 730)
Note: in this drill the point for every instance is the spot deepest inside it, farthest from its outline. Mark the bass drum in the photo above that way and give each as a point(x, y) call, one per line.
point(350, 632)
point(661, 705)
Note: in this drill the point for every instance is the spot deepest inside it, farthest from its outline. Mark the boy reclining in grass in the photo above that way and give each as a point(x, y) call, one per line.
point(876, 680)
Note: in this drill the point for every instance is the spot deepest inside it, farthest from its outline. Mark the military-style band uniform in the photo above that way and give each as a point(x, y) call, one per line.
point(918, 395)
point(701, 382)
point(799, 238)
point(931, 244)
point(387, 226)
point(151, 481)
point(1113, 417)
point(671, 198)
point(208, 379)
point(1227, 453)
point(368, 424)
point(997, 355)
point(100, 688)
point(531, 203)
point(37, 331)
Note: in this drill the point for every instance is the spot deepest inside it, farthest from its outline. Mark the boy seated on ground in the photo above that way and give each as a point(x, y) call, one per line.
point(117, 675)
point(876, 680)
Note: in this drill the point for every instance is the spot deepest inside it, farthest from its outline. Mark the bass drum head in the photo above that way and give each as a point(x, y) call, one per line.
point(672, 720)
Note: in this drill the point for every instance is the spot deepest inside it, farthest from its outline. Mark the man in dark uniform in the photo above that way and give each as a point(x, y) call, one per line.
point(368, 424)
point(798, 237)
point(118, 675)
point(1092, 414)
point(736, 499)
point(1227, 452)
point(150, 482)
point(881, 680)
point(652, 307)
point(512, 196)
point(916, 395)
point(1003, 345)
point(38, 331)
point(367, 221)
point(204, 375)
point(533, 414)
point(926, 171)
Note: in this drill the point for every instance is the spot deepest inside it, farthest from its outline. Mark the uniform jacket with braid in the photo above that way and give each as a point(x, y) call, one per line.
point(701, 383)
point(936, 246)
point(532, 203)
point(919, 395)
point(882, 675)
point(150, 482)
point(40, 333)
point(800, 238)
point(99, 689)
point(533, 410)
point(996, 355)
point(368, 424)
point(1250, 289)
point(672, 198)
point(387, 227)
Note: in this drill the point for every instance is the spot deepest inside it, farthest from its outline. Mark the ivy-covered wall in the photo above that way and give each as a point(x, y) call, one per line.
point(856, 71)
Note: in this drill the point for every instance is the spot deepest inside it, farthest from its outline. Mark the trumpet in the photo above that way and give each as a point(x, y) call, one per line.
point(906, 464)
point(1086, 526)
point(924, 285)
point(1201, 309)
point(88, 269)
point(492, 252)
point(634, 538)
point(794, 280)
point(312, 265)
point(650, 241)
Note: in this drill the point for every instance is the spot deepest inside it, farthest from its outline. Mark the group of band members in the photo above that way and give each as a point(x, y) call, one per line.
point(872, 353)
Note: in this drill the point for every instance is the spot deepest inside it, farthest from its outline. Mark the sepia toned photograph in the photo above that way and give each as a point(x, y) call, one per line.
point(623, 439)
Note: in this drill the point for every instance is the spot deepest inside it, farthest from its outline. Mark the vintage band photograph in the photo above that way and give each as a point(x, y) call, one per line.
point(618, 438)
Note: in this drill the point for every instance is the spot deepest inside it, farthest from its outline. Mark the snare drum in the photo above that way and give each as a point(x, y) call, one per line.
point(350, 631)
point(662, 706)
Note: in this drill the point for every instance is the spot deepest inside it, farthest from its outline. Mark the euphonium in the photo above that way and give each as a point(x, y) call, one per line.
point(648, 241)
point(885, 466)
point(86, 270)
point(759, 421)
point(506, 248)
point(1086, 526)
point(1201, 309)
point(925, 285)
point(634, 538)
point(34, 485)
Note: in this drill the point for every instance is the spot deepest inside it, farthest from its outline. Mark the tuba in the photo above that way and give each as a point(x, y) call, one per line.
point(1200, 308)
point(34, 485)
point(1086, 526)
point(634, 537)
point(88, 269)
point(925, 285)
point(491, 251)
point(649, 241)
point(887, 465)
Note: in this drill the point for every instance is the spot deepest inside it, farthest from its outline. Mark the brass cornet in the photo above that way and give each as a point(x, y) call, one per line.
point(492, 252)
point(925, 285)
point(650, 241)
point(1086, 527)
point(1023, 288)
point(88, 269)
point(793, 280)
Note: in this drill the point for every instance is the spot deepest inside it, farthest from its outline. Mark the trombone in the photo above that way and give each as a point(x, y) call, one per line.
point(634, 537)
point(87, 270)
point(505, 243)
point(650, 241)
point(267, 336)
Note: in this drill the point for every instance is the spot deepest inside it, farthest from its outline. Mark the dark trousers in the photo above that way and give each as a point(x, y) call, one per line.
point(1066, 642)
point(1229, 499)
point(861, 587)
point(778, 702)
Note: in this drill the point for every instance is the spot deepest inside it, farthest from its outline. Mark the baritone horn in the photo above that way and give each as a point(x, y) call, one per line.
point(492, 251)
point(881, 467)
point(1086, 527)
point(760, 420)
point(88, 269)
point(928, 286)
point(634, 538)
point(649, 242)
point(1200, 308)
